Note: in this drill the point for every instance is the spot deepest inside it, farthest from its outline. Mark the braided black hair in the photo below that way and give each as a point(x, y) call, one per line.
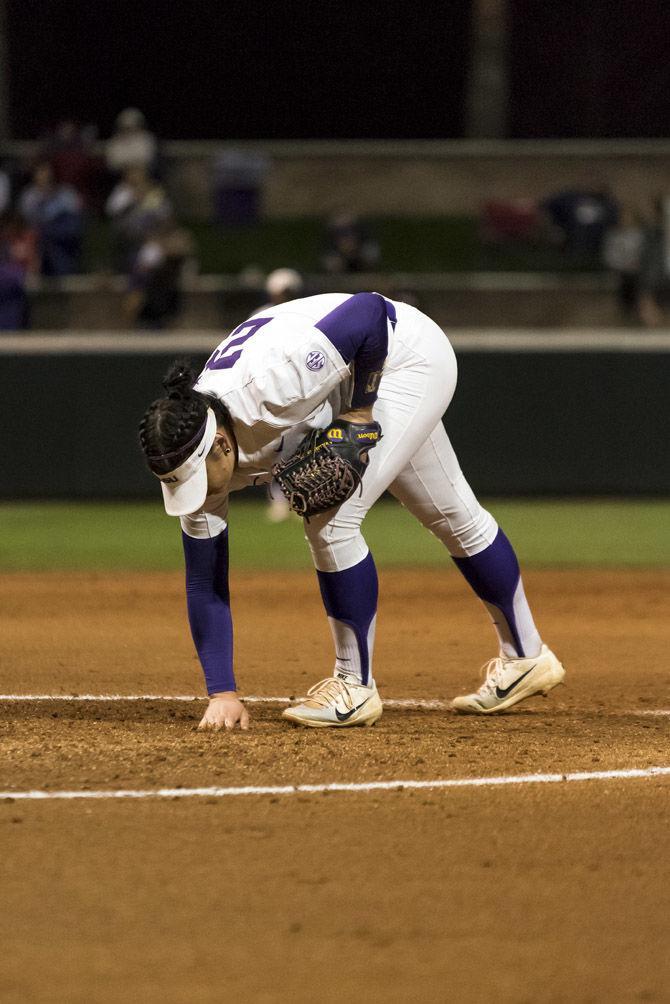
point(171, 422)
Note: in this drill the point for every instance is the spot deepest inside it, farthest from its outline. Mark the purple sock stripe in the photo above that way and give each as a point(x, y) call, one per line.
point(494, 575)
point(350, 596)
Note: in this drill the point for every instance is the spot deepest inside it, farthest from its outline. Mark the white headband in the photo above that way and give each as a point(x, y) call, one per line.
point(185, 488)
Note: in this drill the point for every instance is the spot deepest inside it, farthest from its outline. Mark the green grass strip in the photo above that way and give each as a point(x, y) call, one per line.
point(407, 244)
point(101, 536)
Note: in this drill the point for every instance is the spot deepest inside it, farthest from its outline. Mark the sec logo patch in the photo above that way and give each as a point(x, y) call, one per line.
point(315, 360)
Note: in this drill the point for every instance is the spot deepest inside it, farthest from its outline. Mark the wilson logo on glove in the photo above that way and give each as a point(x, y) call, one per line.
point(327, 467)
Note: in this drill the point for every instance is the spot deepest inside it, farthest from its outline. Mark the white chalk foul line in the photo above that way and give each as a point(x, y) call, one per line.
point(118, 697)
point(408, 702)
point(391, 702)
point(360, 787)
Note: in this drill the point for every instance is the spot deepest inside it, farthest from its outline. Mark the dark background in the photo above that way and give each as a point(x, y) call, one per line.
point(257, 69)
point(589, 68)
point(242, 68)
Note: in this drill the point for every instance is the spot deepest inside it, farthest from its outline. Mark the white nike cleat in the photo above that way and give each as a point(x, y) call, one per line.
point(509, 681)
point(337, 702)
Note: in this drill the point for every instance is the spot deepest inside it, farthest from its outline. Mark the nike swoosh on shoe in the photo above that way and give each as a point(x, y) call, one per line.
point(500, 693)
point(347, 714)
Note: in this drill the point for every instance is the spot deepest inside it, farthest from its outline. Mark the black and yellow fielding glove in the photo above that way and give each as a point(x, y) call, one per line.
point(327, 467)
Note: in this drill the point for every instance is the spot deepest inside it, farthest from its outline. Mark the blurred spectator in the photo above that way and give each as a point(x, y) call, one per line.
point(54, 211)
point(621, 254)
point(654, 281)
point(14, 314)
point(349, 247)
point(238, 187)
point(132, 145)
point(154, 297)
point(282, 285)
point(18, 262)
point(504, 220)
point(583, 217)
point(70, 149)
point(19, 241)
point(5, 192)
point(137, 206)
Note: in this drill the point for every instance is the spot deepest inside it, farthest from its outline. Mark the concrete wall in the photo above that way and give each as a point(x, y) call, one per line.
point(313, 178)
point(454, 301)
point(430, 178)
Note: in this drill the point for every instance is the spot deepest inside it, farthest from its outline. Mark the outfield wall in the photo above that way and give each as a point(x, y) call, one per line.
point(557, 413)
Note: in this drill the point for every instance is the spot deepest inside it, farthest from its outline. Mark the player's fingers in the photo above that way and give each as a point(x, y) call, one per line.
point(209, 725)
point(244, 719)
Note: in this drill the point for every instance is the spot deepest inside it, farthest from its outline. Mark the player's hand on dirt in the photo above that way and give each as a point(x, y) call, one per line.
point(224, 711)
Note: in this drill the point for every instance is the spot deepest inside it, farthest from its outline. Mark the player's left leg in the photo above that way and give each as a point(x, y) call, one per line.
point(433, 488)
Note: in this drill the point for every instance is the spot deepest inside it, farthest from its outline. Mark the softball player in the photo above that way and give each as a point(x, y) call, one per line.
point(294, 368)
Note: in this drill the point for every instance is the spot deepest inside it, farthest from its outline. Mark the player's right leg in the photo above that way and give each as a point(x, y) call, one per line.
point(415, 391)
point(433, 488)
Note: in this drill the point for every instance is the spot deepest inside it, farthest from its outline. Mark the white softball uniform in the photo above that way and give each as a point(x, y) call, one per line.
point(279, 376)
point(295, 367)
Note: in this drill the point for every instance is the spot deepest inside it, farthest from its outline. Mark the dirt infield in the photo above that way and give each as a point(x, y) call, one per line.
point(538, 893)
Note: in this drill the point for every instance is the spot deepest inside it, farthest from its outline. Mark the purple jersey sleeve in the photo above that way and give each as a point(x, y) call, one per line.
point(358, 329)
point(208, 603)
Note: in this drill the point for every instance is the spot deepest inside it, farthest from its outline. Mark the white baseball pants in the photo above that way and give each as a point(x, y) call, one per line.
point(415, 460)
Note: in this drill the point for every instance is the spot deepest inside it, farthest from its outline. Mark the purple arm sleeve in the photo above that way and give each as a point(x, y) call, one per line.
point(208, 602)
point(359, 331)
